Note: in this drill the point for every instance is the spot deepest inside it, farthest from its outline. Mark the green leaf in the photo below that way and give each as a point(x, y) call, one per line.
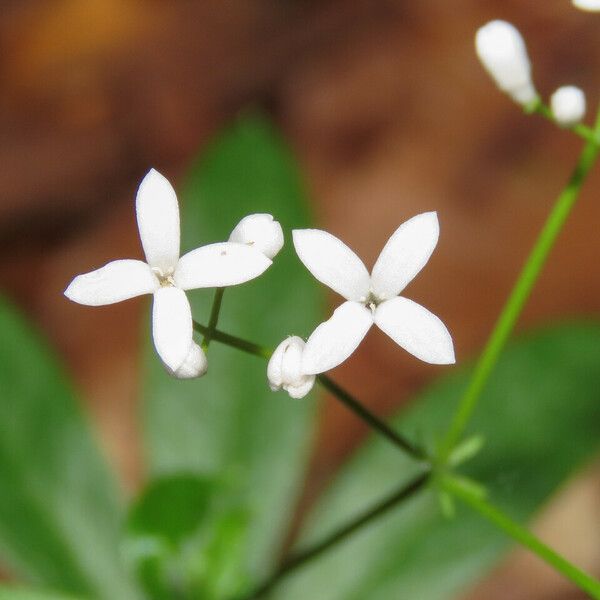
point(540, 417)
point(8, 592)
point(59, 508)
point(184, 539)
point(228, 422)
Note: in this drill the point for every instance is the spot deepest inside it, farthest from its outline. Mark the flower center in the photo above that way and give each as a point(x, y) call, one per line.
point(372, 301)
point(165, 279)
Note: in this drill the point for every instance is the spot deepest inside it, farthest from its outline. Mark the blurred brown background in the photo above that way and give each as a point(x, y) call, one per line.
point(389, 114)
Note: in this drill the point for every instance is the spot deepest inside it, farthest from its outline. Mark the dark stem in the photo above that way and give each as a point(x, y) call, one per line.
point(214, 317)
point(342, 395)
point(301, 557)
point(383, 428)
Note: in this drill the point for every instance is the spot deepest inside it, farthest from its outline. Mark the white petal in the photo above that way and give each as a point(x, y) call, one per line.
point(416, 329)
point(195, 364)
point(332, 263)
point(116, 281)
point(405, 254)
point(158, 221)
point(220, 265)
point(333, 341)
point(172, 326)
point(568, 105)
point(261, 232)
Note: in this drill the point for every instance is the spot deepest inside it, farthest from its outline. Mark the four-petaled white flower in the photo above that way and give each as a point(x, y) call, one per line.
point(373, 299)
point(167, 276)
point(284, 370)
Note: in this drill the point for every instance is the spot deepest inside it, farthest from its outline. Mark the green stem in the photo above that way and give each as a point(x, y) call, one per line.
point(301, 557)
point(579, 129)
point(214, 317)
point(580, 578)
point(342, 395)
point(520, 294)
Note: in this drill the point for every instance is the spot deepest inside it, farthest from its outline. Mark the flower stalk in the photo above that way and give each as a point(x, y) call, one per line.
point(521, 292)
point(580, 578)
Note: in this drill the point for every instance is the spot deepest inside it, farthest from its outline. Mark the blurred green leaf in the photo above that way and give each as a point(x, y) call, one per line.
point(184, 538)
point(8, 592)
point(229, 423)
point(540, 417)
point(59, 508)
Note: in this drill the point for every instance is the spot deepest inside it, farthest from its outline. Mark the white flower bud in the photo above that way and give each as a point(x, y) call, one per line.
point(260, 231)
point(284, 370)
point(589, 5)
point(502, 51)
point(568, 105)
point(195, 364)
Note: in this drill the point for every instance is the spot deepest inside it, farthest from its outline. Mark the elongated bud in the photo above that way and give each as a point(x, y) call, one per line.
point(284, 369)
point(260, 231)
point(195, 364)
point(568, 105)
point(589, 5)
point(502, 51)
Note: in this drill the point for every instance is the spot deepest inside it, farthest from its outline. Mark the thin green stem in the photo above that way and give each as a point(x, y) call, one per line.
point(520, 294)
point(580, 578)
point(341, 394)
point(301, 557)
point(584, 132)
point(214, 317)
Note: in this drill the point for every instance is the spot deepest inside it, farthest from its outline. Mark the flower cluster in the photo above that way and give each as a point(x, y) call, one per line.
point(503, 53)
point(370, 298)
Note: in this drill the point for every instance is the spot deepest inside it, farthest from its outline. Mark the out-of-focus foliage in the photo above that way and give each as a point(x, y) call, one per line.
point(186, 534)
point(229, 424)
point(540, 418)
point(59, 509)
point(18, 593)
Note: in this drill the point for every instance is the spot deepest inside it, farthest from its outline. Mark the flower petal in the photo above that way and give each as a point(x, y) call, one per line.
point(332, 263)
point(405, 254)
point(116, 281)
point(172, 326)
point(220, 265)
point(194, 365)
point(333, 341)
point(416, 329)
point(158, 221)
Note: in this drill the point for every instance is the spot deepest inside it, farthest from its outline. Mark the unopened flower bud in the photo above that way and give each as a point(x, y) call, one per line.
point(195, 364)
point(568, 105)
point(502, 51)
point(260, 231)
point(589, 5)
point(285, 369)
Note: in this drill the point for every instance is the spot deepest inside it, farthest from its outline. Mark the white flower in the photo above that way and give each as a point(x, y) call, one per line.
point(589, 5)
point(284, 370)
point(167, 276)
point(261, 232)
point(373, 298)
point(502, 51)
point(568, 105)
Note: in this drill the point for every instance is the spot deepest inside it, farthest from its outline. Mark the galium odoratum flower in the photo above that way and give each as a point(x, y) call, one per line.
point(167, 276)
point(568, 105)
point(502, 51)
point(284, 370)
point(589, 5)
point(373, 298)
